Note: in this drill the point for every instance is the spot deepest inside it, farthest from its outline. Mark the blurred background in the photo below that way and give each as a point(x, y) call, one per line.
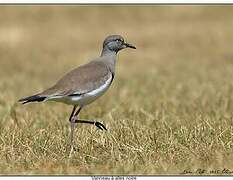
point(40, 43)
point(177, 81)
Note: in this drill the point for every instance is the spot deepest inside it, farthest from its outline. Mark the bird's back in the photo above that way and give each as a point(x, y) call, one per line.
point(81, 80)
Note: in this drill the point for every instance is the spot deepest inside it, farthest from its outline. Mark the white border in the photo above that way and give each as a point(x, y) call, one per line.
point(116, 1)
point(116, 177)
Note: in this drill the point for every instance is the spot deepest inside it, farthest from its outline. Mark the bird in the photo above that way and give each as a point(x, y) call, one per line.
point(84, 84)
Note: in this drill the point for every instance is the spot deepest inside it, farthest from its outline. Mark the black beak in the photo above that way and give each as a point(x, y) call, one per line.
point(127, 45)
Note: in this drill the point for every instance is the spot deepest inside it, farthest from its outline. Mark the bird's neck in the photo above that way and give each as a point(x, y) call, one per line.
point(106, 52)
point(109, 58)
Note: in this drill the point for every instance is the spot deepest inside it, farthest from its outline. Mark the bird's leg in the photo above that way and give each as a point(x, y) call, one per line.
point(72, 121)
point(96, 123)
point(77, 112)
point(72, 130)
point(72, 124)
point(72, 113)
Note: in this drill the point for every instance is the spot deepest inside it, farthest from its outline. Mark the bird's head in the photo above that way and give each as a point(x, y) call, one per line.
point(116, 43)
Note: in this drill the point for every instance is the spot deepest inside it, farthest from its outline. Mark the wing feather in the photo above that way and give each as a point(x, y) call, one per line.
point(80, 80)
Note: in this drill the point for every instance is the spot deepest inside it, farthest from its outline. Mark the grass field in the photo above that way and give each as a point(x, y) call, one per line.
point(169, 111)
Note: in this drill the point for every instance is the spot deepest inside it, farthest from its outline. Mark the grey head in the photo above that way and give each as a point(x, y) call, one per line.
point(115, 43)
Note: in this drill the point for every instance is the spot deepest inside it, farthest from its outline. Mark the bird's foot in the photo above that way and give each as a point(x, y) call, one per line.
point(100, 126)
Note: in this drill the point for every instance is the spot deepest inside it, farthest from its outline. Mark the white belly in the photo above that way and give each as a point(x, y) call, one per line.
point(86, 98)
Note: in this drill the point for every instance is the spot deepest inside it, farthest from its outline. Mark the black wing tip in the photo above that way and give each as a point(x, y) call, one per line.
point(35, 98)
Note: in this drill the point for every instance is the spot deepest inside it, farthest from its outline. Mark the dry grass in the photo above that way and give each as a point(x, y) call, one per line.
point(170, 106)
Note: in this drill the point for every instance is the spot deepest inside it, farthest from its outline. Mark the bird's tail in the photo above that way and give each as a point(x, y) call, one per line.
point(34, 98)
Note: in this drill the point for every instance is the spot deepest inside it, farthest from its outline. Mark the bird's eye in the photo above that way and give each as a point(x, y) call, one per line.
point(118, 40)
